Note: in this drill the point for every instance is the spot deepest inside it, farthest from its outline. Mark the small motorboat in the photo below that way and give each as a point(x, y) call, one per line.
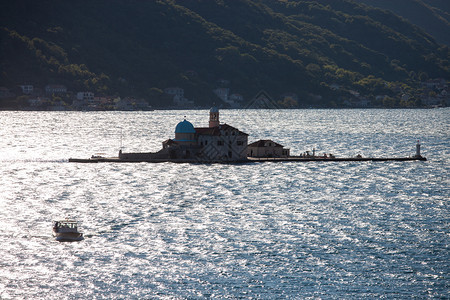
point(66, 231)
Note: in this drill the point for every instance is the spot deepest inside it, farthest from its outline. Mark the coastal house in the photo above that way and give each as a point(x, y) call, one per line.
point(178, 98)
point(27, 89)
point(233, 100)
point(87, 97)
point(266, 148)
point(84, 100)
point(56, 89)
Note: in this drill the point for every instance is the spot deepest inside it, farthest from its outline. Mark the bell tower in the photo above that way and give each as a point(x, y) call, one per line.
point(213, 117)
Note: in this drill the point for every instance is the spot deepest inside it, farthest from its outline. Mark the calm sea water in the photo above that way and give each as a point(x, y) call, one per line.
point(317, 230)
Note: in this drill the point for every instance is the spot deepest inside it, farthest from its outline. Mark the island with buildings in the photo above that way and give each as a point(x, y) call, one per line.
point(223, 143)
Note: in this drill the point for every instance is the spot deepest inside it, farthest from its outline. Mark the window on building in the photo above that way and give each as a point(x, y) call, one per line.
point(240, 143)
point(219, 143)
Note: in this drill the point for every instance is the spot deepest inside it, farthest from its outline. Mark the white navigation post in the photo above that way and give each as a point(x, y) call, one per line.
point(418, 149)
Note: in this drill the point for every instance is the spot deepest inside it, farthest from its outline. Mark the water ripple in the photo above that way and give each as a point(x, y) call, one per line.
point(289, 230)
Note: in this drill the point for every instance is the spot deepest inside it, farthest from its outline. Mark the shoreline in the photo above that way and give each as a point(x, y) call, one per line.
point(249, 160)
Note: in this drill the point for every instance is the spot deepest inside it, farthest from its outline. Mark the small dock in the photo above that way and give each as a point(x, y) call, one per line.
point(307, 159)
point(250, 159)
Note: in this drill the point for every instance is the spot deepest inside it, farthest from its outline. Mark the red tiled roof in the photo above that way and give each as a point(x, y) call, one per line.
point(216, 130)
point(207, 130)
point(262, 143)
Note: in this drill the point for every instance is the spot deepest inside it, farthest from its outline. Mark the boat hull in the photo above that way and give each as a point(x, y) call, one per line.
point(68, 236)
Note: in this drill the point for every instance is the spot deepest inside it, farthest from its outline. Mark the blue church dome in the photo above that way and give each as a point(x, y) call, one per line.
point(185, 127)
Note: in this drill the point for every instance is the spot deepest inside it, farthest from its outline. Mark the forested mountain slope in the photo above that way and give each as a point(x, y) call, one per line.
point(141, 47)
point(431, 15)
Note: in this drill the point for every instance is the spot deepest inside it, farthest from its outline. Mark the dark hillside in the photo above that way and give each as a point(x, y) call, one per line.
point(139, 48)
point(366, 33)
point(431, 15)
